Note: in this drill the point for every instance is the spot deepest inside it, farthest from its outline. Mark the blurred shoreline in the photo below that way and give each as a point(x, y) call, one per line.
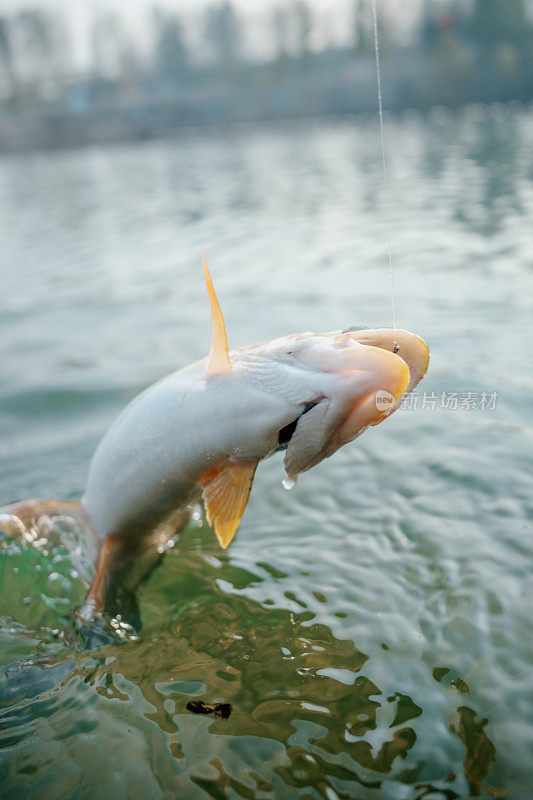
point(54, 126)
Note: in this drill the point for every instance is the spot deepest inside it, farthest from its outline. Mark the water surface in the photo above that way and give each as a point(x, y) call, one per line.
point(371, 628)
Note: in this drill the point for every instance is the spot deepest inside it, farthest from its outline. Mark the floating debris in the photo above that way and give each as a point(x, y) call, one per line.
point(218, 709)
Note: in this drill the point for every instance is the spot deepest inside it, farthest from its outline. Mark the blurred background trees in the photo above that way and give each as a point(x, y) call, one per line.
point(225, 61)
point(222, 29)
point(170, 57)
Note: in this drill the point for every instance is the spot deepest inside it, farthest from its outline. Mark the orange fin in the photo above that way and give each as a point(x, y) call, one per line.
point(218, 362)
point(95, 599)
point(226, 489)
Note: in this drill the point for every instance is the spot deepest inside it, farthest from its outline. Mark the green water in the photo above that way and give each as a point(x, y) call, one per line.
point(371, 628)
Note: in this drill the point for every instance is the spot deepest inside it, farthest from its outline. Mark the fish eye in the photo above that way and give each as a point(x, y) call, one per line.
point(396, 347)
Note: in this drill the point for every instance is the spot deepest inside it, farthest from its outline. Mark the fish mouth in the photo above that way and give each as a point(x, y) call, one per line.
point(378, 379)
point(396, 359)
point(411, 348)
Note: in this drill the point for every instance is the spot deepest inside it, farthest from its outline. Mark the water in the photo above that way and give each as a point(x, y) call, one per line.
point(371, 628)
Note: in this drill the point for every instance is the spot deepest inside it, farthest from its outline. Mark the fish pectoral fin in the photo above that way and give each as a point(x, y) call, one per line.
point(225, 491)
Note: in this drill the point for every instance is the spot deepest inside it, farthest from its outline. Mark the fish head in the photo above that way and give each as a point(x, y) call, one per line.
point(343, 382)
point(408, 346)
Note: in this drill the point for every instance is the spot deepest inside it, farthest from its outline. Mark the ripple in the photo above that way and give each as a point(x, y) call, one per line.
point(330, 622)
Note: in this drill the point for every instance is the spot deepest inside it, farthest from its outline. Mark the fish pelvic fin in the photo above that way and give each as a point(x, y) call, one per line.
point(218, 362)
point(225, 491)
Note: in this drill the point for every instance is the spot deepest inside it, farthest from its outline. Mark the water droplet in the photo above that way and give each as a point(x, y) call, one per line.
point(289, 482)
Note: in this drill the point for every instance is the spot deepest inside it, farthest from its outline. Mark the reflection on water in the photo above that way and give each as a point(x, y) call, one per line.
point(290, 682)
point(369, 628)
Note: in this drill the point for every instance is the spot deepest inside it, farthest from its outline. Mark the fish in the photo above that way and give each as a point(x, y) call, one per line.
point(200, 433)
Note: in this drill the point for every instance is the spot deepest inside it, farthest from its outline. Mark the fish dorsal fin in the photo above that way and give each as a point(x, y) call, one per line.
point(225, 490)
point(218, 362)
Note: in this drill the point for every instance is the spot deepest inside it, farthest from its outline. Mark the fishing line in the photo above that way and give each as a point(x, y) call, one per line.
point(384, 160)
